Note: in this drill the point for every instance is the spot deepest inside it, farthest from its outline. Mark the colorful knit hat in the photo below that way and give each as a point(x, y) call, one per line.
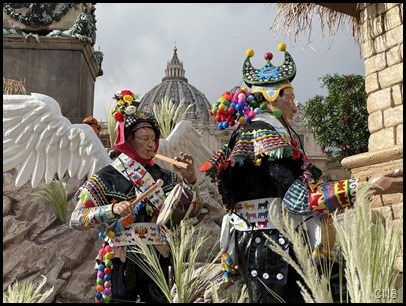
point(128, 116)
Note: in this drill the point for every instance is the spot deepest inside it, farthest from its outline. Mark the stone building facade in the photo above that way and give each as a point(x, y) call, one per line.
point(382, 48)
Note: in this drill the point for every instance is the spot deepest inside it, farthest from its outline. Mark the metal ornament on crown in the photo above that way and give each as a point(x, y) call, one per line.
point(239, 106)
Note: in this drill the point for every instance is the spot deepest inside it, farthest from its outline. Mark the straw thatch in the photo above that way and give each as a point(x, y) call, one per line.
point(13, 87)
point(298, 18)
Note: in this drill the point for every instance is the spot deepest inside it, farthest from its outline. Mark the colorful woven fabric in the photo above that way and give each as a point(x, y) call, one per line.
point(320, 254)
point(254, 144)
point(328, 197)
point(230, 271)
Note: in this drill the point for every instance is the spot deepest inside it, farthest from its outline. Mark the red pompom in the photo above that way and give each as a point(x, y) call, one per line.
point(268, 56)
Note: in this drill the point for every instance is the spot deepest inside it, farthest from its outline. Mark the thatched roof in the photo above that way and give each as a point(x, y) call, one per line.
point(298, 18)
point(13, 87)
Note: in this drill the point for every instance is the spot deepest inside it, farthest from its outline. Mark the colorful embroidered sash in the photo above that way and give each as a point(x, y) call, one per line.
point(148, 232)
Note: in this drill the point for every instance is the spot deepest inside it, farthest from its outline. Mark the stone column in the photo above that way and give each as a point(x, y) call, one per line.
point(382, 34)
point(49, 48)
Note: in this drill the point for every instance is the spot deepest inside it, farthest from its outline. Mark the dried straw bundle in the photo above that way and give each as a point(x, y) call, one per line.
point(13, 87)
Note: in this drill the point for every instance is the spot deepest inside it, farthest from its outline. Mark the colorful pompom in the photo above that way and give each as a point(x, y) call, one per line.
point(249, 53)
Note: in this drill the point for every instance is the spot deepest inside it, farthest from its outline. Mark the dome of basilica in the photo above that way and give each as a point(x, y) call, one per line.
point(175, 87)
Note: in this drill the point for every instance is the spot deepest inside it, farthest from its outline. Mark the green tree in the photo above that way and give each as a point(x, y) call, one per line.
point(340, 120)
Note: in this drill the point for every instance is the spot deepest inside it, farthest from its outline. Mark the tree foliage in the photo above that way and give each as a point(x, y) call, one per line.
point(340, 120)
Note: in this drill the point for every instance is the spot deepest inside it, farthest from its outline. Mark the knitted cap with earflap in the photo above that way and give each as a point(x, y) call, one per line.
point(129, 119)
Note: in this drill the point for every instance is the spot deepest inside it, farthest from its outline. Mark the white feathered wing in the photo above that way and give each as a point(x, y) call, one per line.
point(40, 142)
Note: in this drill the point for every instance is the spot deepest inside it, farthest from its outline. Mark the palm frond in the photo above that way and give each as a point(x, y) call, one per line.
point(24, 292)
point(185, 243)
point(370, 245)
point(168, 114)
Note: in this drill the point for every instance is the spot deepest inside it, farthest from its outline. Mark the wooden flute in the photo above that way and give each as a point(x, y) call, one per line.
point(171, 161)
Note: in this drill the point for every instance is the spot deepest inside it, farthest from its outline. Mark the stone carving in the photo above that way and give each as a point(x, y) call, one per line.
point(38, 17)
point(98, 57)
point(18, 32)
point(84, 28)
point(37, 14)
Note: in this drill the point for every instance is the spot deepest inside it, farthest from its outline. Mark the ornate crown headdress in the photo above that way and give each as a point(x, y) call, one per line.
point(270, 79)
point(239, 106)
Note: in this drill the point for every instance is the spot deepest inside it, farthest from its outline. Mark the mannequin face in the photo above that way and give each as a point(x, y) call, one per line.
point(287, 105)
point(143, 142)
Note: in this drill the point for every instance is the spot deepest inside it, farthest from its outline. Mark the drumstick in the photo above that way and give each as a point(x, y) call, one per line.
point(127, 220)
point(146, 193)
point(171, 161)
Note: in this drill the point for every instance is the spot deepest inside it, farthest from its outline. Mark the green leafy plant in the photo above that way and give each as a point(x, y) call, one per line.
point(339, 121)
point(169, 114)
point(56, 193)
point(24, 292)
point(185, 243)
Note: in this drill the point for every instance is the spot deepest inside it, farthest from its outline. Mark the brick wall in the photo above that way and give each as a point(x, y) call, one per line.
point(382, 34)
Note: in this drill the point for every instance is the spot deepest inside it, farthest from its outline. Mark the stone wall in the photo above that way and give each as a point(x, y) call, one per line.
point(382, 47)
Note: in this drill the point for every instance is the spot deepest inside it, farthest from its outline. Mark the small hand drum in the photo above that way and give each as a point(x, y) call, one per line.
point(178, 206)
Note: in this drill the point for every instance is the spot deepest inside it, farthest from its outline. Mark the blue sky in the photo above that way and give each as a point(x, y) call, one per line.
point(137, 40)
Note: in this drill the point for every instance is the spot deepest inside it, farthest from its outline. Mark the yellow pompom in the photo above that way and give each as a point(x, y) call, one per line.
point(110, 234)
point(249, 53)
point(108, 255)
point(282, 46)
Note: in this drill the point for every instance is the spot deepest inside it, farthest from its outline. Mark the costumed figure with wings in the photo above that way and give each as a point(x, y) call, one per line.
point(261, 166)
point(42, 144)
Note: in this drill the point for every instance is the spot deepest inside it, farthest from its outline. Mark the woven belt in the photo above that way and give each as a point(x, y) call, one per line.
point(255, 212)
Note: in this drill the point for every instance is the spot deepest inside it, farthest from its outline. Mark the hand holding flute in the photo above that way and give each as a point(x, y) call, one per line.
point(183, 164)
